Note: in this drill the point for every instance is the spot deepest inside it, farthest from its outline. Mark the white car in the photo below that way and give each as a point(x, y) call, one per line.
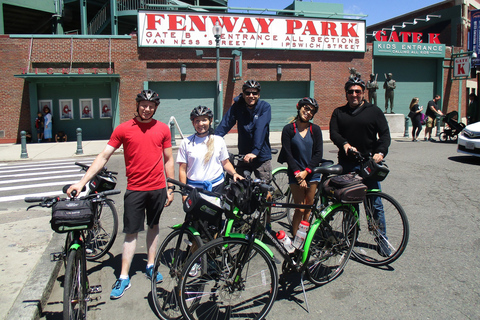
point(469, 140)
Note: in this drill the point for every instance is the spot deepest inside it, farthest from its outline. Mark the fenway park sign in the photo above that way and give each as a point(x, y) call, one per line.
point(167, 29)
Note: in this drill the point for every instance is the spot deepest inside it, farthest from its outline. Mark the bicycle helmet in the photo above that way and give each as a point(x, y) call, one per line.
point(201, 111)
point(310, 101)
point(148, 95)
point(251, 84)
point(354, 82)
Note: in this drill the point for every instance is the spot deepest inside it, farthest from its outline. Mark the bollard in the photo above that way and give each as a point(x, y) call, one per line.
point(172, 132)
point(23, 140)
point(439, 125)
point(79, 141)
point(406, 127)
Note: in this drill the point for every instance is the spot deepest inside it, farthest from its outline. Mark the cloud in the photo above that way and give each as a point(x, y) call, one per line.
point(352, 9)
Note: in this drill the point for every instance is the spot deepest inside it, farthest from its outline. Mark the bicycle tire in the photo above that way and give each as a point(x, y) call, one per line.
point(74, 289)
point(367, 250)
point(100, 238)
point(219, 292)
point(280, 194)
point(443, 136)
point(331, 246)
point(164, 293)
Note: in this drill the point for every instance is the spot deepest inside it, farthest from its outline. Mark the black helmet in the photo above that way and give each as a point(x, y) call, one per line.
point(148, 95)
point(252, 84)
point(354, 82)
point(310, 101)
point(201, 111)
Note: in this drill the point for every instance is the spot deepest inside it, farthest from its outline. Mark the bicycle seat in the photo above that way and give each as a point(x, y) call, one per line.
point(335, 169)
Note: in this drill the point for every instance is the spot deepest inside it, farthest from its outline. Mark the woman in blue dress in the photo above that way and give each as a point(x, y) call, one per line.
point(302, 149)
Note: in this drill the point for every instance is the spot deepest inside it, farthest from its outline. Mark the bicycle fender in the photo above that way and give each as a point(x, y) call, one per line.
point(314, 227)
point(374, 190)
point(260, 243)
point(75, 246)
point(190, 228)
point(229, 227)
point(278, 169)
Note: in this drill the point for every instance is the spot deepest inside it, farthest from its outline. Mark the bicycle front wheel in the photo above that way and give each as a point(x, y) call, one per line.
point(331, 245)
point(280, 193)
point(74, 289)
point(238, 282)
point(164, 294)
point(381, 240)
point(101, 237)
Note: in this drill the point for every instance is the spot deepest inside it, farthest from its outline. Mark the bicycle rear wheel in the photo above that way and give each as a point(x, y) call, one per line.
point(280, 194)
point(164, 294)
point(101, 237)
point(380, 243)
point(331, 246)
point(74, 289)
point(237, 283)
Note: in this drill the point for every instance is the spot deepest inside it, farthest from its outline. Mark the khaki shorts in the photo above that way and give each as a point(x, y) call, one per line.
point(431, 122)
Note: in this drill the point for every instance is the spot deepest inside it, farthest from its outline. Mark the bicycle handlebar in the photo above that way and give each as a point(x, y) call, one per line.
point(47, 202)
point(103, 172)
point(184, 186)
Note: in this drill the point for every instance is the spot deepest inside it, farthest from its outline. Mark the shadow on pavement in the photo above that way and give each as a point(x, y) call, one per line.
point(466, 159)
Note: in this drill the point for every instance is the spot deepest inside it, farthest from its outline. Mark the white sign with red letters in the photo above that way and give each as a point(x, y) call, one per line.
point(181, 29)
point(461, 67)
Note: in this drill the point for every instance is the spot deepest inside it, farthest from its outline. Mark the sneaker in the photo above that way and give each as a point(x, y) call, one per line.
point(195, 270)
point(149, 273)
point(383, 249)
point(119, 288)
point(431, 139)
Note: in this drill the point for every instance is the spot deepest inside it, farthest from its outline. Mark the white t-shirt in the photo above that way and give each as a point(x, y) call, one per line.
point(192, 151)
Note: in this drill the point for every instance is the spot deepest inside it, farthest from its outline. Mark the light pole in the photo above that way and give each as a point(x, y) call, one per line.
point(217, 32)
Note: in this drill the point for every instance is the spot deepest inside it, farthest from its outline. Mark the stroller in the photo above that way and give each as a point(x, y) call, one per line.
point(451, 127)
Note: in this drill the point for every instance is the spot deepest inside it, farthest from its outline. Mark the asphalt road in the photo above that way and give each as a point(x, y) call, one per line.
point(436, 278)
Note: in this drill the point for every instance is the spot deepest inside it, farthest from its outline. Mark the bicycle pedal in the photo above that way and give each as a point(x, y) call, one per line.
point(95, 289)
point(56, 256)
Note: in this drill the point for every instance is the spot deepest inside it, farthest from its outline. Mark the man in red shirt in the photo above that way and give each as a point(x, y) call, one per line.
point(148, 158)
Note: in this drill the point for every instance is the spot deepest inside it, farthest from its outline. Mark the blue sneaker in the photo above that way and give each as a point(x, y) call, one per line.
point(149, 273)
point(119, 288)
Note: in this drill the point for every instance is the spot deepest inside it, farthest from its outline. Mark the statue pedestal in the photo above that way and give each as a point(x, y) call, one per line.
point(396, 123)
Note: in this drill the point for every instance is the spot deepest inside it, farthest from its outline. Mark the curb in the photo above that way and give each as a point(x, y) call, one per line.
point(36, 291)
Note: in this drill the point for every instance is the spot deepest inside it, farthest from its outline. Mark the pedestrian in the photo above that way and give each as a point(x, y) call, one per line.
point(148, 159)
point(48, 123)
point(415, 115)
point(39, 125)
point(473, 112)
point(60, 137)
point(362, 127)
point(302, 149)
point(432, 113)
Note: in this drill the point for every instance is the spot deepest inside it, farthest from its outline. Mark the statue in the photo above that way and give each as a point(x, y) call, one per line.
point(389, 85)
point(354, 73)
point(372, 87)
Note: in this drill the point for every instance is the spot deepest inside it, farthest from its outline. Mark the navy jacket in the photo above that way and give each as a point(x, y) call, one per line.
point(253, 127)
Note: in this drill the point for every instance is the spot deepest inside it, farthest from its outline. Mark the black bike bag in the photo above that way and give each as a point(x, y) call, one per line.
point(72, 215)
point(347, 188)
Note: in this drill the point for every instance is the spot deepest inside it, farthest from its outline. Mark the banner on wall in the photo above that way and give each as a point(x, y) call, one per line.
point(474, 44)
point(174, 29)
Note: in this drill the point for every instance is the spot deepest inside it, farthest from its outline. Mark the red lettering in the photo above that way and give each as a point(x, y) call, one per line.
point(197, 21)
point(292, 25)
point(80, 71)
point(405, 36)
point(264, 25)
point(346, 30)
point(328, 29)
point(417, 37)
point(460, 70)
point(380, 36)
point(393, 37)
point(227, 24)
point(110, 71)
point(247, 24)
point(153, 19)
point(24, 70)
point(175, 23)
point(64, 71)
point(310, 27)
point(433, 38)
point(36, 70)
point(95, 70)
point(49, 71)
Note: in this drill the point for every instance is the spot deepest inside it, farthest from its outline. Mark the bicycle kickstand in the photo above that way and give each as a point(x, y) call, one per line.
point(304, 293)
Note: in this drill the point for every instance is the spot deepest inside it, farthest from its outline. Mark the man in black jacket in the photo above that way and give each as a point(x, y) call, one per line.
point(361, 126)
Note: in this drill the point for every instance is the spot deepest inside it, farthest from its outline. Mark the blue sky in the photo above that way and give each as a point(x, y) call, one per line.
point(377, 10)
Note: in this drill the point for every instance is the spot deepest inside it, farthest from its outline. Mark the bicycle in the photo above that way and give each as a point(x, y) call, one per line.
point(76, 288)
point(379, 242)
point(100, 238)
point(281, 190)
point(240, 279)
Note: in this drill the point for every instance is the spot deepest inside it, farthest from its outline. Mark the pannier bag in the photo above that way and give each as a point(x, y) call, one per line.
point(347, 188)
point(202, 207)
point(100, 183)
point(375, 171)
point(72, 215)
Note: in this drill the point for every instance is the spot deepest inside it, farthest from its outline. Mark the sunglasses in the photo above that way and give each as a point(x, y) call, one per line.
point(354, 91)
point(247, 93)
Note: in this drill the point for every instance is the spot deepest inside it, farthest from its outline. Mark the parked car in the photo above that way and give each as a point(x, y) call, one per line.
point(469, 140)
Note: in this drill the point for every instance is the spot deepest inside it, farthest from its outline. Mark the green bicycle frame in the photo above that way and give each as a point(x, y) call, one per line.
point(278, 169)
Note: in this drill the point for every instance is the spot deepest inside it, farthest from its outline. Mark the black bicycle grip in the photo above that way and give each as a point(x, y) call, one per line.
point(111, 192)
point(180, 184)
point(35, 199)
